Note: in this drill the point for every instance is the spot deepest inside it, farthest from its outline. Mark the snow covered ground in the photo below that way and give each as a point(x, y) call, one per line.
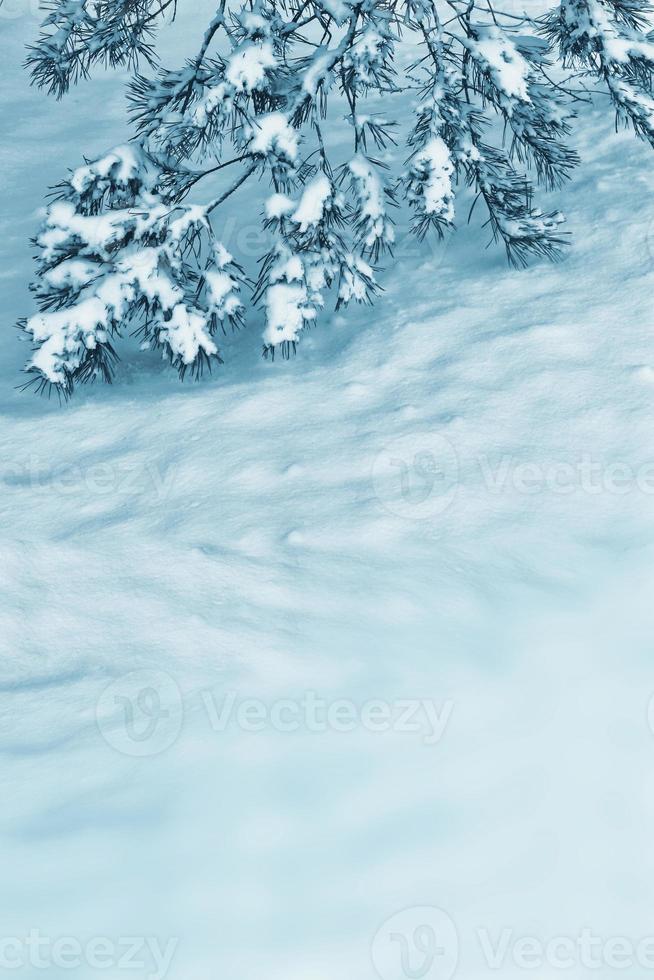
point(447, 501)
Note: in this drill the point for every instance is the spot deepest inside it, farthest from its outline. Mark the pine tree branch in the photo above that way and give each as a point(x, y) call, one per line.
point(120, 246)
point(234, 187)
point(212, 170)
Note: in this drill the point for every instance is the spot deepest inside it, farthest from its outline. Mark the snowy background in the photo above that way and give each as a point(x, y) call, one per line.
point(253, 534)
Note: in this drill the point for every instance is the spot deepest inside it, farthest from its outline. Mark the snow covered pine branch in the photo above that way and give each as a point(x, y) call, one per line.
point(489, 96)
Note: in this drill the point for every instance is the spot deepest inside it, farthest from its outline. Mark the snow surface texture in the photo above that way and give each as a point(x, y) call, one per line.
point(353, 522)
